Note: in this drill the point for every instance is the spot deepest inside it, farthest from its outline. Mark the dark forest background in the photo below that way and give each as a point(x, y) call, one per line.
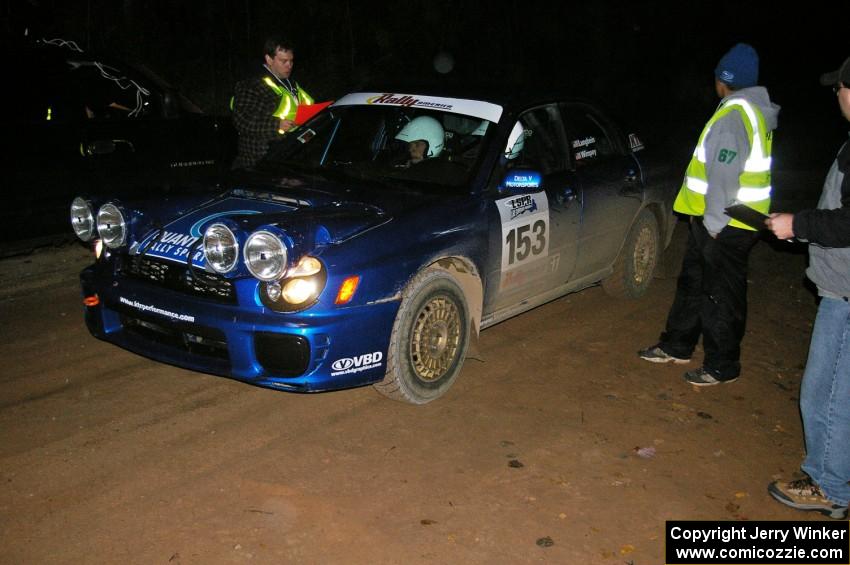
point(650, 63)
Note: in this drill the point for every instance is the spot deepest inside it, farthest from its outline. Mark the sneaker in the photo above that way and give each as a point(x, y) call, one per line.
point(655, 354)
point(804, 494)
point(702, 377)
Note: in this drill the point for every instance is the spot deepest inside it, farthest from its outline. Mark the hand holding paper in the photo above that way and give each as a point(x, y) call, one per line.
point(747, 215)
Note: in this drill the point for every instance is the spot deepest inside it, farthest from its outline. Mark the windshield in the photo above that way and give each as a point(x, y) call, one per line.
point(398, 143)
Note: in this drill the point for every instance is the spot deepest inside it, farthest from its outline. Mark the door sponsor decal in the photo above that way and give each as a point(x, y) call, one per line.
point(588, 153)
point(525, 234)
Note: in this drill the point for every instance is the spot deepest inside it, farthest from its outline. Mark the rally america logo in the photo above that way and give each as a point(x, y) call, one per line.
point(407, 100)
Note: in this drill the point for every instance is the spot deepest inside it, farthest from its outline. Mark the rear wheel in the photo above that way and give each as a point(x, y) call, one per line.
point(429, 339)
point(634, 268)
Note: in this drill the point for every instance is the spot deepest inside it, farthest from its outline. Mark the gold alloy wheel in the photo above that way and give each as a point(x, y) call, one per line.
point(435, 338)
point(643, 254)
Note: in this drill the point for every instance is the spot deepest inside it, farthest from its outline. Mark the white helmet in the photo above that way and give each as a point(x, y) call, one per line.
point(427, 129)
point(516, 141)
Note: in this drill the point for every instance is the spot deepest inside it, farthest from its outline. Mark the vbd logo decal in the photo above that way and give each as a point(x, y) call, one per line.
point(357, 364)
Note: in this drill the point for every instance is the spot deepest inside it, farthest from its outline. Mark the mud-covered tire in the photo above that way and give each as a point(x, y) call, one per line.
point(429, 339)
point(635, 266)
point(670, 260)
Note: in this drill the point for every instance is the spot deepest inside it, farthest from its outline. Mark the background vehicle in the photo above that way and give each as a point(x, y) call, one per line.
point(84, 123)
point(338, 263)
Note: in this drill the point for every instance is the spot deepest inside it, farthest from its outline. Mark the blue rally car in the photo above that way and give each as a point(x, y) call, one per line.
point(375, 241)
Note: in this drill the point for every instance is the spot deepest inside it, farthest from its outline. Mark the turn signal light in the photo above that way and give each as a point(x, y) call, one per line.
point(347, 290)
point(91, 300)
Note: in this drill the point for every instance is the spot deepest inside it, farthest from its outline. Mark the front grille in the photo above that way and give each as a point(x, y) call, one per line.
point(179, 277)
point(207, 342)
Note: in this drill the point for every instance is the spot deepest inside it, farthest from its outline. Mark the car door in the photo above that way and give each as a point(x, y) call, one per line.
point(611, 185)
point(535, 213)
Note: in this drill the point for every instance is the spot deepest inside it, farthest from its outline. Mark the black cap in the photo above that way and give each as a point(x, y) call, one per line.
point(841, 75)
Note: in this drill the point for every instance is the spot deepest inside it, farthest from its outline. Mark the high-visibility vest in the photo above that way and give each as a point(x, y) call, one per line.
point(288, 105)
point(754, 180)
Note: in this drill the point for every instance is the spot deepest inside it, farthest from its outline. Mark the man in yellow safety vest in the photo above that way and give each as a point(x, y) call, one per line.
point(730, 165)
point(264, 107)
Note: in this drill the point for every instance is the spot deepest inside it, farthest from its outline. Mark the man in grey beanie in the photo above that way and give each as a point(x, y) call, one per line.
point(730, 165)
point(825, 391)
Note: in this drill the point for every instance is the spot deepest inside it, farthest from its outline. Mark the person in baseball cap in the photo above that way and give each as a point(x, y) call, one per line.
point(825, 389)
point(839, 77)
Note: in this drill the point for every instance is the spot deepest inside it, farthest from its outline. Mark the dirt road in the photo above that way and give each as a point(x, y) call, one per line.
point(560, 447)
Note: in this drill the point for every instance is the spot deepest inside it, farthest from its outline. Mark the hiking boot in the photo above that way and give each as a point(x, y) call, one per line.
point(704, 377)
point(655, 354)
point(804, 494)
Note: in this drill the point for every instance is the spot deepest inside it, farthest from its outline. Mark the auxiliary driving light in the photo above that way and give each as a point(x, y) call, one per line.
point(82, 218)
point(265, 256)
point(111, 226)
point(221, 248)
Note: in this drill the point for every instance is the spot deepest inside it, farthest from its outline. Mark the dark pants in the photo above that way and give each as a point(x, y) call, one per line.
point(711, 299)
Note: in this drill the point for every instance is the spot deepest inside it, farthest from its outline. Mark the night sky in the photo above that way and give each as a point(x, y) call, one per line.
point(649, 63)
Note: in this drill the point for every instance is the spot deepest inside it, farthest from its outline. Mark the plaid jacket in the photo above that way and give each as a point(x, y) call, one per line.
point(253, 105)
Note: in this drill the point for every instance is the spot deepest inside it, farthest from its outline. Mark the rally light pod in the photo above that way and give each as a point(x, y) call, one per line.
point(221, 246)
point(82, 218)
point(266, 253)
point(112, 225)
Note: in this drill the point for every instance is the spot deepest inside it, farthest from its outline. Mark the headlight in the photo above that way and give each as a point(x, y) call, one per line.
point(306, 267)
point(265, 256)
point(221, 249)
point(111, 226)
point(82, 218)
point(299, 290)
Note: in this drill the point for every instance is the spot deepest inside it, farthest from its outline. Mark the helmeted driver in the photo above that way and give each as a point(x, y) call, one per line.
point(425, 139)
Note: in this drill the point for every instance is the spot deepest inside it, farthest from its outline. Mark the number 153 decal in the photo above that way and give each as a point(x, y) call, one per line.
point(525, 229)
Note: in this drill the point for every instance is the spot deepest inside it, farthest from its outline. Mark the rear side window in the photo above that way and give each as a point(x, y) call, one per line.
point(589, 139)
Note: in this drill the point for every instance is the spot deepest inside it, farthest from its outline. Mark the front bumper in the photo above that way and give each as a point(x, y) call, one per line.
point(319, 349)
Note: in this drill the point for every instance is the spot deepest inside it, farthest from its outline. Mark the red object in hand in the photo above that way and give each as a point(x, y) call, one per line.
point(307, 111)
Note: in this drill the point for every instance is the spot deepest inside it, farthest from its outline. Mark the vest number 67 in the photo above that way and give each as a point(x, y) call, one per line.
point(726, 156)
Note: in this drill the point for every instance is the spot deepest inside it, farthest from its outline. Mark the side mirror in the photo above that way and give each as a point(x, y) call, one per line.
point(521, 181)
point(100, 147)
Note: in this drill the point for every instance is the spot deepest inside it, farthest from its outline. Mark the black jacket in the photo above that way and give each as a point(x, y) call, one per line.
point(829, 228)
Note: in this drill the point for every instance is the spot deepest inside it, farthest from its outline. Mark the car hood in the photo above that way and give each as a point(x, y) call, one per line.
point(308, 222)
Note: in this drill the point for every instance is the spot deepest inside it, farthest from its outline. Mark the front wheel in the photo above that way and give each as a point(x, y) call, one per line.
point(634, 268)
point(429, 339)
